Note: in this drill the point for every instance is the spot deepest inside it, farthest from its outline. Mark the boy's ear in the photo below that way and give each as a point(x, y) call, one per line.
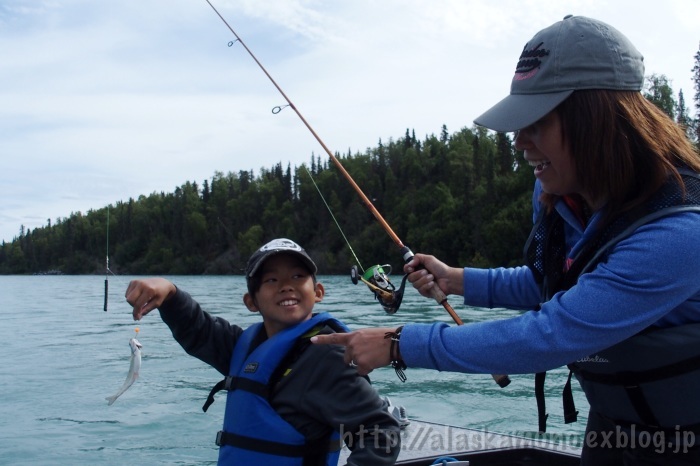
point(249, 302)
point(320, 292)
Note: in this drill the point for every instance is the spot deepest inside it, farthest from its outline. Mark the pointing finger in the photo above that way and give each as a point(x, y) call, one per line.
point(332, 339)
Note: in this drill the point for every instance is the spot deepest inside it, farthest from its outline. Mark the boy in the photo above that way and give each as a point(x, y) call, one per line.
point(289, 402)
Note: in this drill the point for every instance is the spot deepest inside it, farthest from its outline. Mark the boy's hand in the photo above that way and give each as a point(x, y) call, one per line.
point(147, 294)
point(365, 349)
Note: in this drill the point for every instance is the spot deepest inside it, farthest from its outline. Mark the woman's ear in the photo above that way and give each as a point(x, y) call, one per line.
point(320, 292)
point(250, 303)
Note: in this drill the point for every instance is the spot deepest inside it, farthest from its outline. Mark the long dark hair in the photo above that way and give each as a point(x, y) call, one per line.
point(624, 147)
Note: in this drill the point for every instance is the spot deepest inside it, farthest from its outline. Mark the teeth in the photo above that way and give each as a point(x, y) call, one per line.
point(539, 165)
point(288, 302)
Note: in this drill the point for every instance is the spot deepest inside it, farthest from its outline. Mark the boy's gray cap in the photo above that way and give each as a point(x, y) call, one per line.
point(572, 54)
point(277, 246)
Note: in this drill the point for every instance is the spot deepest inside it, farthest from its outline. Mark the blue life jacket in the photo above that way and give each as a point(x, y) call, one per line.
point(643, 379)
point(254, 433)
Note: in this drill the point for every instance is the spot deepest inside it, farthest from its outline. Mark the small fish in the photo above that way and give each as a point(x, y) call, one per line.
point(134, 368)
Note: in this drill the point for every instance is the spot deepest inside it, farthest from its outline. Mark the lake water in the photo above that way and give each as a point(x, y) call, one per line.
point(62, 355)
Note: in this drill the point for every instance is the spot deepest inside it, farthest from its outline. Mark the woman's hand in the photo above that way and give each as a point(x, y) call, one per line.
point(366, 349)
point(425, 271)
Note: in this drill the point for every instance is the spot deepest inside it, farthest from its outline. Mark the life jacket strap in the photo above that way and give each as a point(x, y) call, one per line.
point(236, 383)
point(570, 413)
point(310, 451)
point(639, 377)
point(641, 405)
point(539, 396)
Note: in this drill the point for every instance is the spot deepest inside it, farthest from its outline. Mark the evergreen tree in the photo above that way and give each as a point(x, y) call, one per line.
point(682, 117)
point(696, 83)
point(444, 135)
point(658, 90)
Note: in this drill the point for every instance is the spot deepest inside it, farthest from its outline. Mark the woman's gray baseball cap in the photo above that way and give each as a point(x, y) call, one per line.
point(572, 54)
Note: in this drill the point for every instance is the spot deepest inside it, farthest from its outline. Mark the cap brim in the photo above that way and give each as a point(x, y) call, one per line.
point(518, 111)
point(303, 258)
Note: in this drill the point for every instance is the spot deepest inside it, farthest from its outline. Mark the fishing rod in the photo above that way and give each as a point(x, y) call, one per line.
point(405, 252)
point(377, 276)
point(107, 263)
point(107, 270)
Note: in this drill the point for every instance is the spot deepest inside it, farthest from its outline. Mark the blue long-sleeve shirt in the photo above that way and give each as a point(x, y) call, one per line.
point(650, 278)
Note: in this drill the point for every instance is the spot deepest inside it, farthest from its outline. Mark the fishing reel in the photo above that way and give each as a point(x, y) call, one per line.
point(377, 280)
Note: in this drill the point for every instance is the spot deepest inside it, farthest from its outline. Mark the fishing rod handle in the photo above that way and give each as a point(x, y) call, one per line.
point(437, 294)
point(502, 380)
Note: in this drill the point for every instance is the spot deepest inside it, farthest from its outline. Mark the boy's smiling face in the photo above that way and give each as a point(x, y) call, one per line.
point(287, 293)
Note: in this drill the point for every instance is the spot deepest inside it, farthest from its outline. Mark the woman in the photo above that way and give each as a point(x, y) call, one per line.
point(612, 275)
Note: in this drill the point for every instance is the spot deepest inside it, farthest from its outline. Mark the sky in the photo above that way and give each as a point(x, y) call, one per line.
point(103, 101)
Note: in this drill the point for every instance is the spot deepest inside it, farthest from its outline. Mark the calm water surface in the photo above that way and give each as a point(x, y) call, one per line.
point(62, 355)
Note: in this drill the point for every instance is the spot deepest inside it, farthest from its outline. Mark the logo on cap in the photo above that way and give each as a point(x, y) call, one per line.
point(281, 244)
point(530, 61)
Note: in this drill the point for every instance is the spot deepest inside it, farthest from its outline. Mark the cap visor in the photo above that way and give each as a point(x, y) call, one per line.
point(518, 111)
point(303, 258)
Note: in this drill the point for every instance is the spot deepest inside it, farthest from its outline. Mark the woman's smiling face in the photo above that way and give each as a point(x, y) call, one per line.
point(546, 150)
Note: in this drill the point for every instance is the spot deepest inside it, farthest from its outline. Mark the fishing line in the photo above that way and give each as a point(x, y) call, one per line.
point(376, 277)
point(334, 219)
point(405, 252)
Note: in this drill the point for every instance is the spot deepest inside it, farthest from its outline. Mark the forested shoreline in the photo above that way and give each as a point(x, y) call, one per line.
point(465, 196)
